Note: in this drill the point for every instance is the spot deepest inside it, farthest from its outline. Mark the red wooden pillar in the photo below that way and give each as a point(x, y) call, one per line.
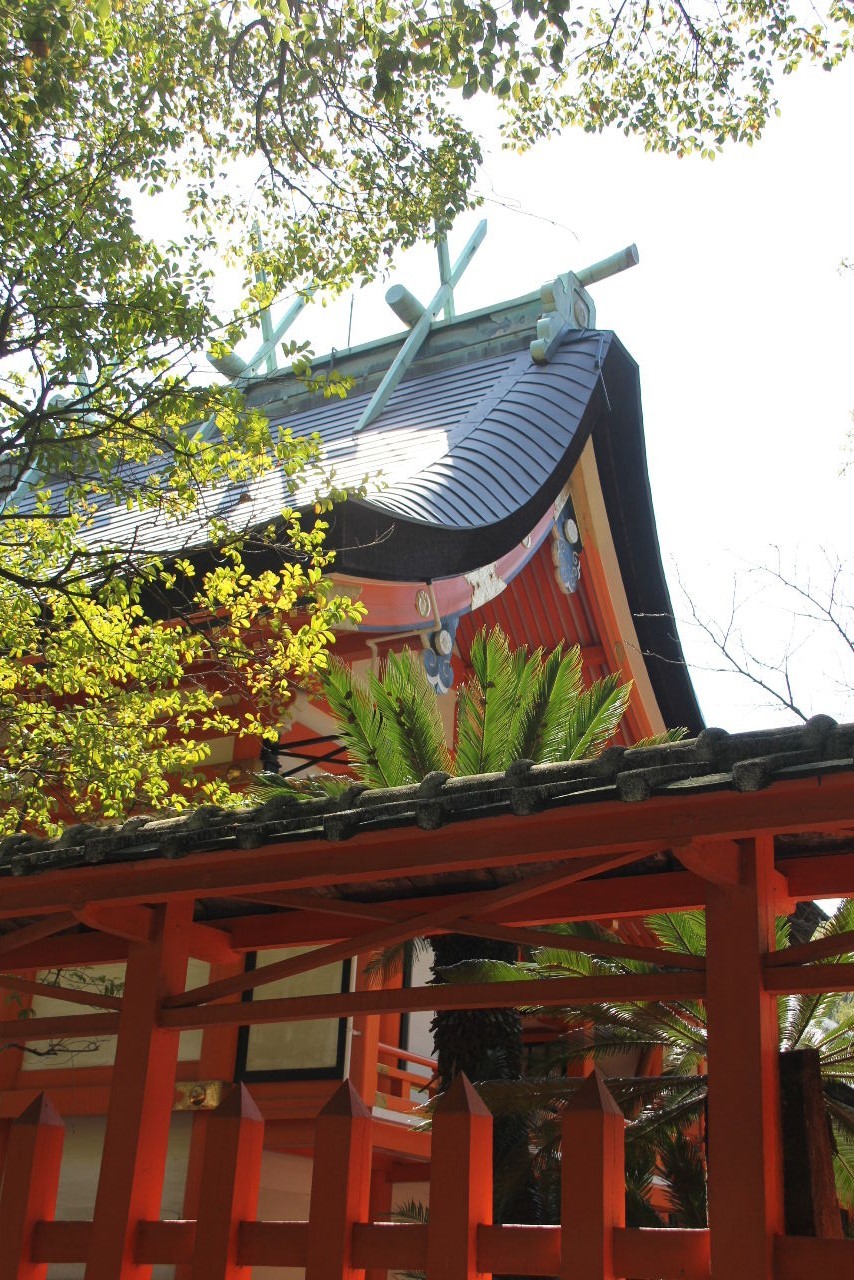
point(29, 1187)
point(460, 1182)
point(229, 1187)
point(130, 1184)
point(593, 1178)
point(364, 1054)
point(340, 1185)
point(745, 1153)
point(12, 1005)
point(216, 1062)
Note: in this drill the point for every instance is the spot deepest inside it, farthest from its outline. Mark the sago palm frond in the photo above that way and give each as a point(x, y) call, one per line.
point(683, 1166)
point(842, 1127)
point(361, 727)
point(410, 716)
point(487, 971)
point(410, 1211)
point(661, 739)
point(640, 1177)
point(486, 706)
point(557, 688)
point(592, 722)
point(680, 931)
point(388, 963)
point(835, 1042)
point(318, 786)
point(527, 679)
point(801, 1018)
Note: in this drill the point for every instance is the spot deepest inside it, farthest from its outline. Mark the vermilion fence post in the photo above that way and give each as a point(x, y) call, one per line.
point(29, 1187)
point(229, 1186)
point(745, 1149)
point(460, 1182)
point(340, 1185)
point(593, 1197)
point(130, 1184)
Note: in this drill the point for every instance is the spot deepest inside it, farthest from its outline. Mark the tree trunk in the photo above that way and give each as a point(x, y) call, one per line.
point(487, 1045)
point(812, 1207)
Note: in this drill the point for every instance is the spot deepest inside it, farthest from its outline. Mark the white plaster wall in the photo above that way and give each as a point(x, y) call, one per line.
point(78, 1179)
point(284, 1194)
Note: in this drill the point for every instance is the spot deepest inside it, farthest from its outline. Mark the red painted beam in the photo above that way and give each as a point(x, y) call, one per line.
point(68, 950)
point(13, 942)
point(591, 900)
point(164, 1242)
point(576, 992)
point(809, 979)
point(580, 830)
point(838, 944)
point(57, 1028)
point(399, 930)
point(550, 992)
point(68, 994)
point(823, 876)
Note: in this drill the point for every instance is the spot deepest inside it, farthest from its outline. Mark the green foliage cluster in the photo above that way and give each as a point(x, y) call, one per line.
point(516, 705)
point(666, 1113)
point(334, 126)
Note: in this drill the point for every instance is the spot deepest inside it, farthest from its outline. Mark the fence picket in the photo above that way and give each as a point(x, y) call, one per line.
point(340, 1185)
point(593, 1200)
point(228, 1192)
point(29, 1190)
point(460, 1182)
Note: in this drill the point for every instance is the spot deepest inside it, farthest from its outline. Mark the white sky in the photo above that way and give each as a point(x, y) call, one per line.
point(742, 326)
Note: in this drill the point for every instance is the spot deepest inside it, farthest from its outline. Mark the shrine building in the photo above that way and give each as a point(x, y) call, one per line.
point(208, 1131)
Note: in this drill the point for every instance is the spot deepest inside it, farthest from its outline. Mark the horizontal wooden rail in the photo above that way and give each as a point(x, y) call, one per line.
point(405, 1077)
point(165, 1241)
point(61, 1241)
point(644, 1254)
point(532, 1251)
point(654, 1253)
point(548, 992)
point(390, 1246)
point(486, 995)
point(272, 1244)
point(394, 1051)
point(65, 1026)
point(94, 999)
point(809, 979)
point(838, 944)
point(799, 1257)
point(458, 1243)
point(393, 1102)
point(483, 995)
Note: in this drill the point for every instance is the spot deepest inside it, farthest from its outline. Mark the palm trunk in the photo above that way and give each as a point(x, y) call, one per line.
point(487, 1045)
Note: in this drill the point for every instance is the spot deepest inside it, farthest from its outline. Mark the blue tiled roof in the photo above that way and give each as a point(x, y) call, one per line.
point(463, 449)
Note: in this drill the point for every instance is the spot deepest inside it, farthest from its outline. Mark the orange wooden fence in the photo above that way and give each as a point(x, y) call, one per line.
point(339, 1240)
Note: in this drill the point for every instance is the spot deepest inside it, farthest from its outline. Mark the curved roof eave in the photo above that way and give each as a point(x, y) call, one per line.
point(427, 527)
